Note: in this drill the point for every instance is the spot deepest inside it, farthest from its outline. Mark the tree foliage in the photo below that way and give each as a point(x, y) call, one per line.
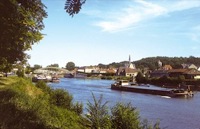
point(70, 66)
point(73, 6)
point(140, 78)
point(124, 116)
point(53, 65)
point(61, 98)
point(20, 22)
point(36, 66)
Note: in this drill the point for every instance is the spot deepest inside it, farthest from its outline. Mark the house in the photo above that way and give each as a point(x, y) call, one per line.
point(198, 69)
point(81, 70)
point(88, 69)
point(177, 72)
point(167, 67)
point(128, 72)
point(103, 71)
point(159, 73)
point(111, 70)
point(192, 74)
point(187, 73)
point(189, 66)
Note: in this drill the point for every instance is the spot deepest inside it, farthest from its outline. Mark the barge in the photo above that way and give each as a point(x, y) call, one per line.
point(150, 89)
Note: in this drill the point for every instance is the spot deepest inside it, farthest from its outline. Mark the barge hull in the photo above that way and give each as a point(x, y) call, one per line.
point(141, 90)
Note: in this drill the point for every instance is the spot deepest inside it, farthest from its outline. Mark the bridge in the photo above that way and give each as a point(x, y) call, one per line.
point(50, 70)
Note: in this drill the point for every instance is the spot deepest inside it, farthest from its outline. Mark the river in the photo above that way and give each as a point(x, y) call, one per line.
point(173, 113)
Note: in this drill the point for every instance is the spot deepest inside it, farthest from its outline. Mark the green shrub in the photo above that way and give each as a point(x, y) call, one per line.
point(42, 85)
point(77, 108)
point(124, 117)
point(121, 116)
point(98, 114)
point(20, 73)
point(61, 98)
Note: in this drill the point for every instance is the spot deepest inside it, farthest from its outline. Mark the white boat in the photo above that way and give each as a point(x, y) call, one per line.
point(55, 79)
point(37, 78)
point(121, 83)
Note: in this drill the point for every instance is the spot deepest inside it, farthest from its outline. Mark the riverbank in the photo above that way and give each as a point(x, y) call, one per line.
point(24, 105)
point(28, 106)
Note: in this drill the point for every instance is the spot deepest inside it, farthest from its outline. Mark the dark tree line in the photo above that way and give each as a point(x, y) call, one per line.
point(175, 62)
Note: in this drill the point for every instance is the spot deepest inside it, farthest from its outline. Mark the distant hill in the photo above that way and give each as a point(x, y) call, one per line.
point(152, 62)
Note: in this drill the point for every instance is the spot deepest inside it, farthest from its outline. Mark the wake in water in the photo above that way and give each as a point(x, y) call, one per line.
point(167, 97)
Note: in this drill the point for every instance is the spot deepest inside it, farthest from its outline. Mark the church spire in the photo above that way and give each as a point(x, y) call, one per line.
point(129, 64)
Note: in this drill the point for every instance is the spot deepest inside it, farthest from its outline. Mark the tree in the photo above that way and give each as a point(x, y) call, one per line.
point(70, 66)
point(4, 65)
point(36, 66)
point(102, 66)
point(98, 114)
point(140, 78)
point(20, 22)
point(73, 6)
point(53, 65)
point(28, 69)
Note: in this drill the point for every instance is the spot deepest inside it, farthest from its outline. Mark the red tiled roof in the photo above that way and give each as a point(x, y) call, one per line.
point(126, 70)
point(178, 70)
point(193, 72)
point(129, 70)
point(159, 71)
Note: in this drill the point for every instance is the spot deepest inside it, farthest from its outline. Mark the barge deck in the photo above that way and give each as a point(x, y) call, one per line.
point(150, 89)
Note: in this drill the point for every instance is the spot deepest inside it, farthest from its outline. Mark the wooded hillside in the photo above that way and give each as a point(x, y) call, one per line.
point(152, 62)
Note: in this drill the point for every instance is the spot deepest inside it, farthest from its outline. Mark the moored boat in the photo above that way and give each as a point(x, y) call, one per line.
point(37, 78)
point(55, 79)
point(150, 89)
point(68, 75)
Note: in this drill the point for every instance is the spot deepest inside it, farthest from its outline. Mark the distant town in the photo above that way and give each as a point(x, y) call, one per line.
point(187, 73)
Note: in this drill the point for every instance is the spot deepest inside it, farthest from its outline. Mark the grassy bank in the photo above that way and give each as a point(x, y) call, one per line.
point(24, 105)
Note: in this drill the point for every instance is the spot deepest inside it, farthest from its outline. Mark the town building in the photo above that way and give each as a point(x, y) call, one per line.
point(167, 67)
point(189, 66)
point(187, 73)
point(159, 73)
point(129, 70)
point(88, 69)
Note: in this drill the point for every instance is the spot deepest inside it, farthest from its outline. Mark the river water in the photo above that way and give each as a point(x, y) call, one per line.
point(173, 113)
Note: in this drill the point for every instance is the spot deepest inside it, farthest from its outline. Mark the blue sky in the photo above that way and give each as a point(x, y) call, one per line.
point(107, 31)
